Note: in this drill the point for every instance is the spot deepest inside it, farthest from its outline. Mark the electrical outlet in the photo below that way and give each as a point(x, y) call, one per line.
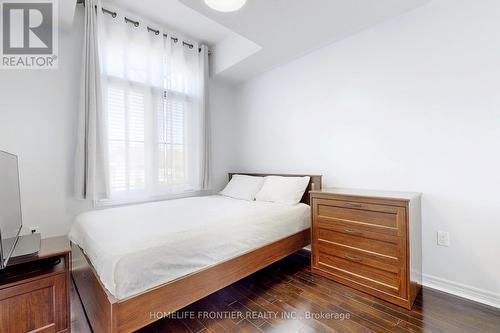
point(35, 229)
point(443, 238)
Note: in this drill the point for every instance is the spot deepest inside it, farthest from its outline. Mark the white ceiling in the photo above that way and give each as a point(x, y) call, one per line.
point(267, 33)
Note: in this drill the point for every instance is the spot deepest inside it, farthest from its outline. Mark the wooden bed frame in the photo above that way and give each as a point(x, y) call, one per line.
point(106, 314)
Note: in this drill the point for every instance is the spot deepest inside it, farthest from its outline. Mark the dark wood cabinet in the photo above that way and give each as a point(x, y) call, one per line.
point(369, 240)
point(34, 293)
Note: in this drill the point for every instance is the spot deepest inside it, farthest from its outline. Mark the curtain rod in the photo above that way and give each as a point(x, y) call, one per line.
point(137, 24)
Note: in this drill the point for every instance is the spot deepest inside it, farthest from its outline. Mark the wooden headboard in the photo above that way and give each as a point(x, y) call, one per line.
point(314, 182)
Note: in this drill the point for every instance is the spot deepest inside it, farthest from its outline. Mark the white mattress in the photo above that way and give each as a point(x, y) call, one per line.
point(135, 248)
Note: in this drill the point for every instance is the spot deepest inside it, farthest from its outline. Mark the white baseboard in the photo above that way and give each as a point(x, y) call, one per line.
point(462, 290)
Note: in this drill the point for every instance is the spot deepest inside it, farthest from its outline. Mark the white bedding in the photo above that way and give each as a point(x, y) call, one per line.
point(135, 248)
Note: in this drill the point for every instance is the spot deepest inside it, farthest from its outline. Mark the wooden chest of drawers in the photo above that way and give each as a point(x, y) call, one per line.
point(369, 240)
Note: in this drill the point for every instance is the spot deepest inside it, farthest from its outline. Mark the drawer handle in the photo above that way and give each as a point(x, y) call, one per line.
point(356, 259)
point(353, 232)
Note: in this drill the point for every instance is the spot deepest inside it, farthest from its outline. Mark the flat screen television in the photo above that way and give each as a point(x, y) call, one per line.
point(11, 221)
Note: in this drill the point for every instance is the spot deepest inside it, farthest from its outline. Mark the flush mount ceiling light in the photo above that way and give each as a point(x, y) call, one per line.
point(225, 6)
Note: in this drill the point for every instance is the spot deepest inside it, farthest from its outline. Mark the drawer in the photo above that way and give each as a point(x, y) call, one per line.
point(385, 246)
point(356, 267)
point(36, 306)
point(390, 264)
point(362, 216)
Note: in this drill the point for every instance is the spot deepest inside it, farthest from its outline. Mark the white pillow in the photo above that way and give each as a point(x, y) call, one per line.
point(243, 187)
point(287, 190)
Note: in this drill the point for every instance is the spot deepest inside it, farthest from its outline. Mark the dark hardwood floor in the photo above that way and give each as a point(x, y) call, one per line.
point(286, 297)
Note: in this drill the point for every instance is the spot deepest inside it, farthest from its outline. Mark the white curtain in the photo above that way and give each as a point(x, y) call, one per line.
point(91, 174)
point(204, 100)
point(156, 116)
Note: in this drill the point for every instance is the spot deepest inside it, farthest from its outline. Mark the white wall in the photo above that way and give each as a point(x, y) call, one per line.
point(222, 102)
point(411, 104)
point(38, 110)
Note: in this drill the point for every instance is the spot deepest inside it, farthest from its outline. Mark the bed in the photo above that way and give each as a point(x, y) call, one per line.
point(178, 256)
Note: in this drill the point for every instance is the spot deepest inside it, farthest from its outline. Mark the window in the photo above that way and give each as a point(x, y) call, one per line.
point(171, 142)
point(155, 131)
